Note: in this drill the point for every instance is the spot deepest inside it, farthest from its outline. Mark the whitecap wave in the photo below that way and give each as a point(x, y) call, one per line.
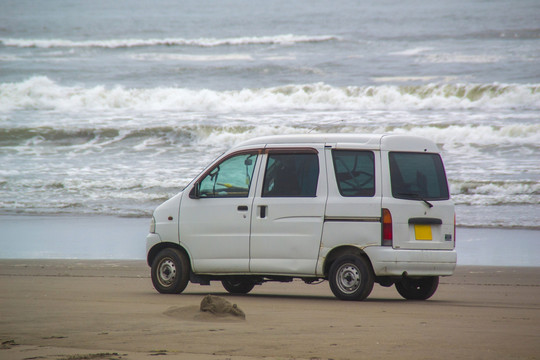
point(455, 136)
point(427, 55)
point(285, 39)
point(458, 58)
point(191, 57)
point(42, 93)
point(412, 52)
point(475, 192)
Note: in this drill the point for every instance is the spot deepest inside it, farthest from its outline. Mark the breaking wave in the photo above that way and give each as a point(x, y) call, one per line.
point(42, 93)
point(478, 192)
point(515, 135)
point(285, 39)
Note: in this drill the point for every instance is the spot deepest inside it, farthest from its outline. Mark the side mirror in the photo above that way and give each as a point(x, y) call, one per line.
point(195, 192)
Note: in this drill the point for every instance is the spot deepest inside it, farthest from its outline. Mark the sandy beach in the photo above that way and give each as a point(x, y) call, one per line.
point(84, 309)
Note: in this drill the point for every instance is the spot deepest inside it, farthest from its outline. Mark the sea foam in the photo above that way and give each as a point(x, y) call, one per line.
point(42, 93)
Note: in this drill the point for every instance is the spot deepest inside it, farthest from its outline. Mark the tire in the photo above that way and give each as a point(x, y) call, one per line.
point(238, 285)
point(170, 271)
point(351, 278)
point(418, 289)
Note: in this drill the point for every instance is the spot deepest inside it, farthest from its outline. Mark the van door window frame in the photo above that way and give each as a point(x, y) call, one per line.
point(288, 188)
point(195, 191)
point(361, 190)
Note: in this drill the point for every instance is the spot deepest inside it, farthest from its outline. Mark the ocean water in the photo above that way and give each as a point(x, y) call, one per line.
point(111, 107)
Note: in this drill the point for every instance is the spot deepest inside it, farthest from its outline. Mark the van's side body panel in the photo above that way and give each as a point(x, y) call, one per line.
point(216, 231)
point(286, 231)
point(216, 235)
point(351, 220)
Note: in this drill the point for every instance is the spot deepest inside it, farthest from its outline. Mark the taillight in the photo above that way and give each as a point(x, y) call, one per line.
point(387, 236)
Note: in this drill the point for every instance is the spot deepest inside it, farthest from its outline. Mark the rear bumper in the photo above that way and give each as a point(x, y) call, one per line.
point(387, 261)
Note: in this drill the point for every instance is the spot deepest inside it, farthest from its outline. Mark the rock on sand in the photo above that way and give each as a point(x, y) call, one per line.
point(220, 306)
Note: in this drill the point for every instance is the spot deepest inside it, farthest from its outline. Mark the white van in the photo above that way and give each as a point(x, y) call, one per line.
point(350, 209)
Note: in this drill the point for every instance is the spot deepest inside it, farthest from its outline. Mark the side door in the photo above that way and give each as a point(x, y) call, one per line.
point(353, 210)
point(288, 211)
point(215, 215)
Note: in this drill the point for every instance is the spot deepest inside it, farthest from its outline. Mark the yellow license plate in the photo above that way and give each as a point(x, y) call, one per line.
point(423, 232)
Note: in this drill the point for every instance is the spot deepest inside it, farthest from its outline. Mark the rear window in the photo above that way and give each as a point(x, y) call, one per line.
point(418, 176)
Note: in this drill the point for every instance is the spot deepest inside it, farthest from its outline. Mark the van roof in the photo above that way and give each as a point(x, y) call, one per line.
point(371, 141)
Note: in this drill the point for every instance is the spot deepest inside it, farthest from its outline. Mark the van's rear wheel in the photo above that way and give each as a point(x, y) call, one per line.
point(418, 289)
point(238, 285)
point(351, 278)
point(170, 271)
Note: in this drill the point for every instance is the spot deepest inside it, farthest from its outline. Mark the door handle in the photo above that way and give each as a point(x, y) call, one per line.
point(262, 211)
point(242, 208)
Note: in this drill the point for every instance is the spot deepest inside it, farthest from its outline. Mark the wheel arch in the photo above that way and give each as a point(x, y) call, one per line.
point(344, 250)
point(163, 245)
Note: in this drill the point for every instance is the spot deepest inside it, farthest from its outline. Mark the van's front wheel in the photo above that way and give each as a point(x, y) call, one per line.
point(351, 278)
point(170, 271)
point(418, 289)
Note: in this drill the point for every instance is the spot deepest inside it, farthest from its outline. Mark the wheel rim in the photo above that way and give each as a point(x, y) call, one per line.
point(166, 272)
point(348, 278)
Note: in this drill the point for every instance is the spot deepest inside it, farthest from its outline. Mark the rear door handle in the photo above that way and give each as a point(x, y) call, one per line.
point(242, 208)
point(425, 221)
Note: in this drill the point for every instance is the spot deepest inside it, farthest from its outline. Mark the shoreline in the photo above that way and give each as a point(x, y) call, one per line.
point(108, 309)
point(102, 237)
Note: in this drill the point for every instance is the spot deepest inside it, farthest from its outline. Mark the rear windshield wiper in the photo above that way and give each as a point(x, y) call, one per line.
point(414, 196)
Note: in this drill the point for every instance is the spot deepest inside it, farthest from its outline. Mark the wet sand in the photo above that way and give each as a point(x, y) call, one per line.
point(108, 237)
point(73, 309)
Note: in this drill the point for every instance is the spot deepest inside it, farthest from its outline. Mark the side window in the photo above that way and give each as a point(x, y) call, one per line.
point(418, 176)
point(355, 172)
point(291, 175)
point(230, 178)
